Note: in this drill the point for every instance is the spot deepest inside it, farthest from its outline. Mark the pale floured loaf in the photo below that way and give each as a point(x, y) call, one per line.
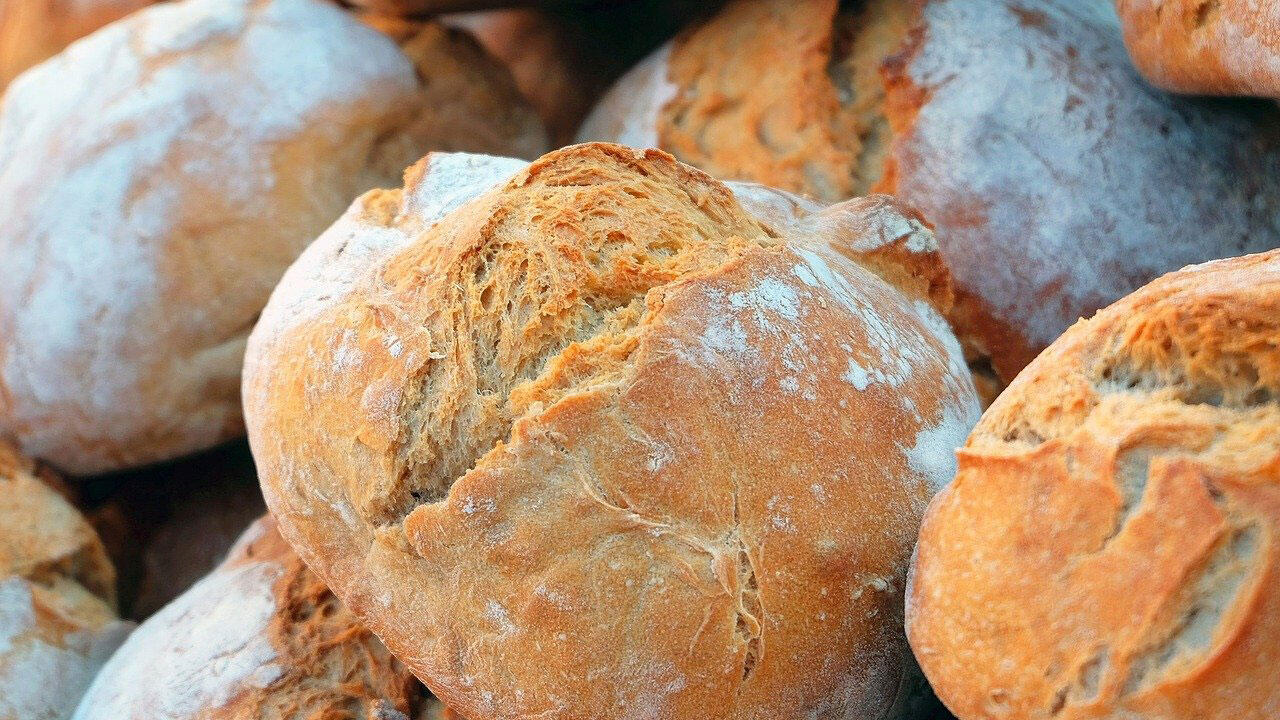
point(159, 176)
point(1205, 47)
point(34, 30)
point(603, 437)
point(1056, 179)
point(1111, 544)
point(259, 638)
point(57, 598)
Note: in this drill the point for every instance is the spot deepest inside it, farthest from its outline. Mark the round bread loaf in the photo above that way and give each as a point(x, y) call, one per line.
point(1206, 47)
point(34, 30)
point(259, 637)
point(1110, 546)
point(1057, 180)
point(671, 438)
point(162, 173)
point(57, 598)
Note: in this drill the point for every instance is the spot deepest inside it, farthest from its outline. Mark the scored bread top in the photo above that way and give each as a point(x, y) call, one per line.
point(1223, 47)
point(1056, 179)
point(57, 598)
point(663, 434)
point(1119, 506)
point(164, 171)
point(259, 638)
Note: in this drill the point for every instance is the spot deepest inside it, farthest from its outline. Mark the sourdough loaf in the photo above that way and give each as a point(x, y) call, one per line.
point(669, 437)
point(1057, 180)
point(1206, 47)
point(57, 598)
point(160, 174)
point(259, 638)
point(34, 30)
point(1109, 547)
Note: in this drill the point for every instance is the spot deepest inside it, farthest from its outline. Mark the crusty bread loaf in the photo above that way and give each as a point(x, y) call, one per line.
point(670, 438)
point(258, 638)
point(34, 30)
point(1109, 548)
point(161, 174)
point(1056, 179)
point(1205, 47)
point(57, 597)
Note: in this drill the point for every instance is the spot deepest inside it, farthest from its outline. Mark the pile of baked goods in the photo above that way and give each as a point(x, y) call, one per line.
point(639, 359)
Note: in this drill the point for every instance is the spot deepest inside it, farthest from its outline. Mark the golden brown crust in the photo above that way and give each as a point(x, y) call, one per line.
point(1205, 47)
point(1111, 543)
point(525, 452)
point(260, 638)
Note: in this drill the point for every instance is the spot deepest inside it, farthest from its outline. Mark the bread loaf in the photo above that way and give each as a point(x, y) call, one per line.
point(259, 637)
point(57, 598)
point(162, 173)
point(1057, 181)
point(34, 30)
point(669, 437)
point(1109, 547)
point(1205, 47)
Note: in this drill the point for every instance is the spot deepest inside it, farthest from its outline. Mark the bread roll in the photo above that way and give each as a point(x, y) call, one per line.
point(1056, 179)
point(57, 598)
point(259, 637)
point(669, 437)
point(33, 30)
point(1206, 47)
point(1110, 546)
point(160, 176)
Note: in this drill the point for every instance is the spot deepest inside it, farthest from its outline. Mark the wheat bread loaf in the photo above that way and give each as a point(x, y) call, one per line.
point(669, 437)
point(160, 175)
point(1110, 546)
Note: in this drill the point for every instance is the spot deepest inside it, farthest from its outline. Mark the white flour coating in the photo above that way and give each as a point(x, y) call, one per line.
point(452, 180)
point(42, 680)
point(933, 455)
point(1049, 166)
point(777, 208)
point(195, 654)
point(1243, 53)
point(198, 89)
point(628, 112)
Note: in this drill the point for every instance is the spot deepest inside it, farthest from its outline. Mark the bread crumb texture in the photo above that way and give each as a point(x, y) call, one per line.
point(667, 437)
point(1210, 47)
point(1109, 547)
point(57, 598)
point(1056, 179)
point(259, 638)
point(161, 175)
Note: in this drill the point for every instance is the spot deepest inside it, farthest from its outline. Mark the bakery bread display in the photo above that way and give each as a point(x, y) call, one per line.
point(1109, 546)
point(1205, 47)
point(34, 30)
point(670, 437)
point(259, 637)
point(57, 598)
point(1056, 179)
point(160, 175)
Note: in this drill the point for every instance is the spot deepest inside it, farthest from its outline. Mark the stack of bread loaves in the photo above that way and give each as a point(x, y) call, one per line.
point(669, 437)
point(1056, 179)
point(682, 422)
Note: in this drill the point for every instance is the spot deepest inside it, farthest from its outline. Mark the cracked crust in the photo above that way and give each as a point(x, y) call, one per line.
point(164, 171)
point(1057, 180)
point(261, 637)
point(1111, 543)
point(57, 598)
point(1205, 47)
point(664, 434)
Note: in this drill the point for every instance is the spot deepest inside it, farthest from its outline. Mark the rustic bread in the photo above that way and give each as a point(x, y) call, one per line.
point(1109, 547)
point(258, 638)
point(1057, 181)
point(669, 437)
point(1206, 47)
point(57, 598)
point(161, 174)
point(34, 30)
